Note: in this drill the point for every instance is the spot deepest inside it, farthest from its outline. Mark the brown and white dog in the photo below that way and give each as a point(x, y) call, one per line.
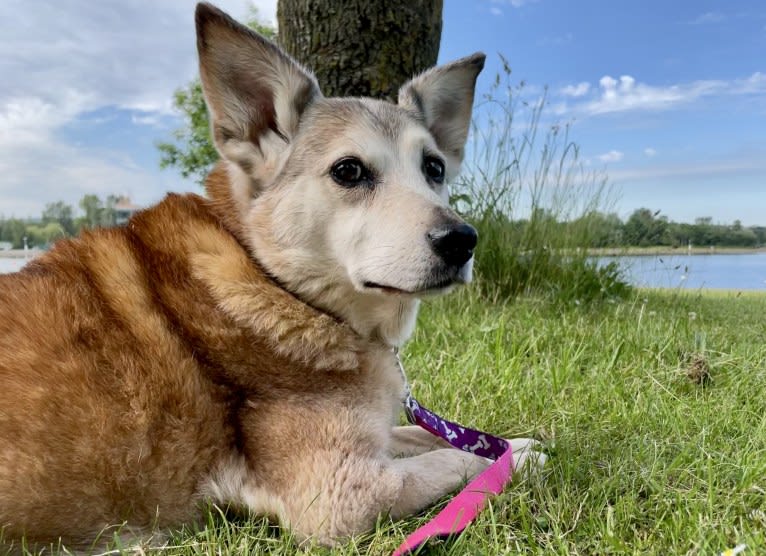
point(237, 350)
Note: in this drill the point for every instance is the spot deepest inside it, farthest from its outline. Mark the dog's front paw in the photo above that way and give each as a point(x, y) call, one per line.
point(528, 457)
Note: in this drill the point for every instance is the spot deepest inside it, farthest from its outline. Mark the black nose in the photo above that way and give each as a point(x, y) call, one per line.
point(454, 245)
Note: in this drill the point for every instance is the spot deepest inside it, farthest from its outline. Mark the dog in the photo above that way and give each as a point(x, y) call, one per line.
point(238, 349)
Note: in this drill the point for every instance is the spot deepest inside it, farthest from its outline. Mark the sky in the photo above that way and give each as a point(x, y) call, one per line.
point(667, 98)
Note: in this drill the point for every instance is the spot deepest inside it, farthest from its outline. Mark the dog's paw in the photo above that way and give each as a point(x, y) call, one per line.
point(528, 457)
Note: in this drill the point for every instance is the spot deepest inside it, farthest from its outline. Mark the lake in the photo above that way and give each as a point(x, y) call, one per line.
point(737, 272)
point(10, 265)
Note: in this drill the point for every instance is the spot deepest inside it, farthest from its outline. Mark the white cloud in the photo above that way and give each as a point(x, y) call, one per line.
point(627, 94)
point(131, 54)
point(756, 83)
point(556, 40)
point(147, 119)
point(496, 11)
point(611, 156)
point(558, 108)
point(752, 165)
point(707, 17)
point(53, 170)
point(62, 61)
point(650, 152)
point(30, 120)
point(579, 90)
point(515, 3)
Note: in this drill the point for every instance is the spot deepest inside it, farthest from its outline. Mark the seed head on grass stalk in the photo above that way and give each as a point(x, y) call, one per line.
point(533, 201)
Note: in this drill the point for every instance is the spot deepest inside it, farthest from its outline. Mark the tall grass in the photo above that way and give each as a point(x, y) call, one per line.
point(530, 195)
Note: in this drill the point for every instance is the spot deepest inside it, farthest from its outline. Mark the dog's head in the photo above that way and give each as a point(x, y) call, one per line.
point(343, 200)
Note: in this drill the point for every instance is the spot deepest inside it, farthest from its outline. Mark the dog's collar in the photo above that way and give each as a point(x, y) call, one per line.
point(467, 504)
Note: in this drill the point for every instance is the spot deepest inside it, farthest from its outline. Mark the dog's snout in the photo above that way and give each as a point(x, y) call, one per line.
point(454, 244)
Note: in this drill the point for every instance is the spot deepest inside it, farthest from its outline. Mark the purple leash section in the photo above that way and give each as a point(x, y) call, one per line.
point(470, 501)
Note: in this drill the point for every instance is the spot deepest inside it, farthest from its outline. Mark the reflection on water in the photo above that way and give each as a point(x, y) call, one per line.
point(739, 272)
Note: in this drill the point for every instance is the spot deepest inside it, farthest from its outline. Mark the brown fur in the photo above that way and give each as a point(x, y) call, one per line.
point(135, 360)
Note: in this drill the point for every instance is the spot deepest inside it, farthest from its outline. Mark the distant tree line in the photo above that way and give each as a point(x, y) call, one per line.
point(647, 228)
point(643, 228)
point(58, 220)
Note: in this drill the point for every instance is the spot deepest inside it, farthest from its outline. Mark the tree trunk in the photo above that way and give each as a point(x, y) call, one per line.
point(361, 47)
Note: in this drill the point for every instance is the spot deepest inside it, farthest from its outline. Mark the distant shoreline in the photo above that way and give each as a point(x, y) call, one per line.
point(20, 253)
point(670, 251)
point(706, 292)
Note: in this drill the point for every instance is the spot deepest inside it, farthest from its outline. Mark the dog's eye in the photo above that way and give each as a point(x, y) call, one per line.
point(350, 172)
point(433, 168)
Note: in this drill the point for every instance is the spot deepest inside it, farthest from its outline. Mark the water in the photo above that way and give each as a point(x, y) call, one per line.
point(10, 265)
point(737, 272)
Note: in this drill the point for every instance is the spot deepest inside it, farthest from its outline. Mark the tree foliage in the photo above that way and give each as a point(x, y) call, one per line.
point(58, 220)
point(192, 152)
point(91, 206)
point(13, 231)
point(61, 213)
point(643, 229)
point(647, 228)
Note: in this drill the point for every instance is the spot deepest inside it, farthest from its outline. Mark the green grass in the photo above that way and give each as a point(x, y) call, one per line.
point(652, 410)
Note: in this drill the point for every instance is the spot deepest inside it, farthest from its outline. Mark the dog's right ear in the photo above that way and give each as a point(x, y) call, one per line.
point(255, 92)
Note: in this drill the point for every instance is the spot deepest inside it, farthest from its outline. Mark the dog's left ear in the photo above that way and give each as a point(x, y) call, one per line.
point(443, 97)
point(255, 92)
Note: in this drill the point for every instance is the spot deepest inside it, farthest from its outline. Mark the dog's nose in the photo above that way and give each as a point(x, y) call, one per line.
point(454, 245)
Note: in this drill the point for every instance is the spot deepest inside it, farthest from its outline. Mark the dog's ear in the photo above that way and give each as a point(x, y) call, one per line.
point(255, 92)
point(443, 98)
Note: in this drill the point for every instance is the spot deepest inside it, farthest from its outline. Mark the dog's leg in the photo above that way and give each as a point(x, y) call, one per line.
point(428, 477)
point(431, 475)
point(333, 495)
point(528, 457)
point(342, 494)
point(413, 440)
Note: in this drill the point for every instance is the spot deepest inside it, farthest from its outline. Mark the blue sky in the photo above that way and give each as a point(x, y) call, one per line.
point(669, 98)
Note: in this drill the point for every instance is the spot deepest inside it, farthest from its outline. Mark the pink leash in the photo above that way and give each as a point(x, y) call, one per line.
point(464, 507)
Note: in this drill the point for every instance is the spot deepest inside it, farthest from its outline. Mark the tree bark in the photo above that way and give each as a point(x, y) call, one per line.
point(361, 47)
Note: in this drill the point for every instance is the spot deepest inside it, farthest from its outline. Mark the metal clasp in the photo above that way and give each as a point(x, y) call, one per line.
point(408, 402)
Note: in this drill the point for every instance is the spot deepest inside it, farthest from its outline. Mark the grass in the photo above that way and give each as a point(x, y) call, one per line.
point(645, 457)
point(531, 197)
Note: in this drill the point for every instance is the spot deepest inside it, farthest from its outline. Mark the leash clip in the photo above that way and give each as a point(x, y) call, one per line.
point(408, 402)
